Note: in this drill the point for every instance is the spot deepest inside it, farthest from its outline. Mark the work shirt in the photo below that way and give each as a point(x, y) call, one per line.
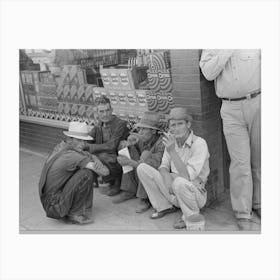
point(115, 131)
point(63, 168)
point(155, 147)
point(236, 72)
point(194, 154)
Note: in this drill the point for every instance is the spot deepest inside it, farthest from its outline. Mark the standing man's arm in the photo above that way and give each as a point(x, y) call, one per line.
point(213, 62)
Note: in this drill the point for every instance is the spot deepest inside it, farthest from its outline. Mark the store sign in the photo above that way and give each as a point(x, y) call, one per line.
point(141, 99)
point(113, 98)
point(122, 98)
point(131, 99)
point(114, 79)
point(105, 78)
point(124, 79)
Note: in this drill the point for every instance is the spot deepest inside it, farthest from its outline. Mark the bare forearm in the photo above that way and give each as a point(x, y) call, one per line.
point(179, 164)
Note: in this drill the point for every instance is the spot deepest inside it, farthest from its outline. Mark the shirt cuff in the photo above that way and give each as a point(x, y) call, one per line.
point(83, 163)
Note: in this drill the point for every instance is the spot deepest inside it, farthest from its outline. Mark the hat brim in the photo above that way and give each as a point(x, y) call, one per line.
point(81, 137)
point(146, 126)
point(186, 118)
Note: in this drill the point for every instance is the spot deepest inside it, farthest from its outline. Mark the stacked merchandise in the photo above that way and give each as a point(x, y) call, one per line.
point(159, 98)
point(30, 86)
point(75, 97)
point(121, 85)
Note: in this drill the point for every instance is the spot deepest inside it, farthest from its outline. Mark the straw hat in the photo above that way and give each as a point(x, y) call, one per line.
point(78, 130)
point(149, 120)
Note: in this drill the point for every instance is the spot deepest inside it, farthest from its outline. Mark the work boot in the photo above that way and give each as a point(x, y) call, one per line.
point(115, 188)
point(244, 224)
point(143, 205)
point(179, 224)
point(123, 196)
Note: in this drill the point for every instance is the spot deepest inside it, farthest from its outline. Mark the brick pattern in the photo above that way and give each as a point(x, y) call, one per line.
point(39, 138)
point(193, 91)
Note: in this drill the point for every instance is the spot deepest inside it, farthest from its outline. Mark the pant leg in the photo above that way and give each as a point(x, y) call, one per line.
point(141, 192)
point(157, 191)
point(110, 160)
point(189, 197)
point(129, 182)
point(75, 197)
point(238, 143)
point(252, 111)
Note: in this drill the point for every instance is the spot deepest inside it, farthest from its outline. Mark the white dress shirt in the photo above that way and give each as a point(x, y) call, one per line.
point(236, 72)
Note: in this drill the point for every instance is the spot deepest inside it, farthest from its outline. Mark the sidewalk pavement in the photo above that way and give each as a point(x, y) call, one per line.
point(108, 217)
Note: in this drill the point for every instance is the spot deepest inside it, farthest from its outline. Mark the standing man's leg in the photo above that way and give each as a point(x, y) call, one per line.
point(253, 114)
point(238, 143)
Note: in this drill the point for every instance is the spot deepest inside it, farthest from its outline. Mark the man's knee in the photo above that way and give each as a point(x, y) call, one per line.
point(86, 174)
point(142, 169)
point(181, 184)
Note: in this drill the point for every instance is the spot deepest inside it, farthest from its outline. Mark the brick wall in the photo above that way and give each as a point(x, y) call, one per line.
point(193, 91)
point(39, 138)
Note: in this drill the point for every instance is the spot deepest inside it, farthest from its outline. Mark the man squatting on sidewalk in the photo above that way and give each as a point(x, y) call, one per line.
point(180, 180)
point(66, 183)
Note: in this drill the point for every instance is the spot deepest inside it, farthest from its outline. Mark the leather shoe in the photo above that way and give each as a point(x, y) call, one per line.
point(123, 196)
point(143, 206)
point(179, 224)
point(113, 191)
point(244, 224)
point(79, 219)
point(158, 215)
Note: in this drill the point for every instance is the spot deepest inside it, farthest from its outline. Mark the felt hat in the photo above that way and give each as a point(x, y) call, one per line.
point(149, 120)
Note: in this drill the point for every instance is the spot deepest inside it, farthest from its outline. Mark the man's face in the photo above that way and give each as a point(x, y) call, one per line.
point(179, 128)
point(104, 112)
point(79, 144)
point(146, 133)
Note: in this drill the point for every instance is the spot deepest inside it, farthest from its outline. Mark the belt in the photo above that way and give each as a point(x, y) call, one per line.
point(247, 96)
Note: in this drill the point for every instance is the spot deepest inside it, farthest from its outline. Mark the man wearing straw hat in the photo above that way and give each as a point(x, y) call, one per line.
point(180, 180)
point(144, 146)
point(66, 183)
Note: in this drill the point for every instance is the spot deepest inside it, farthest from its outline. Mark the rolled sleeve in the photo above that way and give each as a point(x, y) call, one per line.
point(75, 160)
point(197, 161)
point(212, 62)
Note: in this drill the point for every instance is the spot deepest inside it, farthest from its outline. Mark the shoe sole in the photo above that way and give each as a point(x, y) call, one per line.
point(117, 202)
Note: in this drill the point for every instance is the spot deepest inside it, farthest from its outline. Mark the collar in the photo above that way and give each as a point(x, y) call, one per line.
point(188, 143)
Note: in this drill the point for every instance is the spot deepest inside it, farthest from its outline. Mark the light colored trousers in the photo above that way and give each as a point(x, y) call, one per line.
point(184, 194)
point(242, 130)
